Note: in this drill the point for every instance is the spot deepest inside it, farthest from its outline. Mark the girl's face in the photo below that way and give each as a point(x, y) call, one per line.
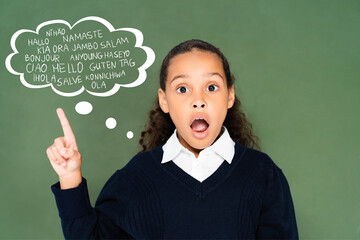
point(197, 98)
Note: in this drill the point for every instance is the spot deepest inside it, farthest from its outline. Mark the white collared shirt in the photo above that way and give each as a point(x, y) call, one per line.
point(208, 161)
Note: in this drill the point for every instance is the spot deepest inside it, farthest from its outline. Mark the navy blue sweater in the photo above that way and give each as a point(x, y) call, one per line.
point(247, 199)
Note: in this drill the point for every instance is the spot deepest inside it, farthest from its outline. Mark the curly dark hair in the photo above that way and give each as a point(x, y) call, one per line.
point(160, 126)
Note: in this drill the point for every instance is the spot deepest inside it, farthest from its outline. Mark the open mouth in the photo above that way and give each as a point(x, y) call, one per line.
point(199, 125)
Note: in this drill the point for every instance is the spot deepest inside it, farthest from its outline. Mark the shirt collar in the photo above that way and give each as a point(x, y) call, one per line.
point(171, 148)
point(224, 146)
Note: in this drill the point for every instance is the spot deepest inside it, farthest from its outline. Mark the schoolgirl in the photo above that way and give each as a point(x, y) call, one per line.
point(198, 176)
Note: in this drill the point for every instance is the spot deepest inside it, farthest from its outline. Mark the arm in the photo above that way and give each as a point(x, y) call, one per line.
point(78, 218)
point(277, 216)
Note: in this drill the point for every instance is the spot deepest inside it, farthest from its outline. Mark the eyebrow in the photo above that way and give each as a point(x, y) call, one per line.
point(187, 76)
point(179, 76)
point(216, 74)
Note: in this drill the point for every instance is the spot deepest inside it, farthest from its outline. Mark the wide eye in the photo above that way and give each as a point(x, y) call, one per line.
point(212, 88)
point(182, 89)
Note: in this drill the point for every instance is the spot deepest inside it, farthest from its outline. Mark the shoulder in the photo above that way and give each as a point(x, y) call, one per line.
point(145, 160)
point(141, 167)
point(257, 166)
point(254, 159)
point(134, 180)
point(258, 170)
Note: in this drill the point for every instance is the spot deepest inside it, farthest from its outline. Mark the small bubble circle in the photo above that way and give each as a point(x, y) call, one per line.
point(130, 134)
point(83, 107)
point(110, 123)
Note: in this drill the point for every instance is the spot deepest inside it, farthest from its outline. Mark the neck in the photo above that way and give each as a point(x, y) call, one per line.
point(196, 151)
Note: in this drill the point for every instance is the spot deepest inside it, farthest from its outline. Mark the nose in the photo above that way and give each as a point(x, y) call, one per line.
point(199, 102)
point(199, 105)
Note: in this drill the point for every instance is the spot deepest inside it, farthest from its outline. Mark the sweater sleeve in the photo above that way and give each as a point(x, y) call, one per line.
point(277, 216)
point(80, 220)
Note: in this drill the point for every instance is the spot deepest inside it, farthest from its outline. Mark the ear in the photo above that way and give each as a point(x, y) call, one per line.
point(231, 98)
point(162, 101)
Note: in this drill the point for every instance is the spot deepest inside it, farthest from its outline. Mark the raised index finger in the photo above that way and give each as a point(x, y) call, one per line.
point(68, 133)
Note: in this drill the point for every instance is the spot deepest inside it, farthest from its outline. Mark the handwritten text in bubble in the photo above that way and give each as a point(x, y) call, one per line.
point(90, 55)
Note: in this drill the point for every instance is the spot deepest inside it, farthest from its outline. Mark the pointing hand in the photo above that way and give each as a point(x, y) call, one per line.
point(64, 155)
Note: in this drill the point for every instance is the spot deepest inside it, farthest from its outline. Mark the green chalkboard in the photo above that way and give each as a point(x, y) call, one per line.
point(296, 65)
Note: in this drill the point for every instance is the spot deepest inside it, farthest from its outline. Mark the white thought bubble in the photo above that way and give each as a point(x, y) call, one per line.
point(89, 55)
